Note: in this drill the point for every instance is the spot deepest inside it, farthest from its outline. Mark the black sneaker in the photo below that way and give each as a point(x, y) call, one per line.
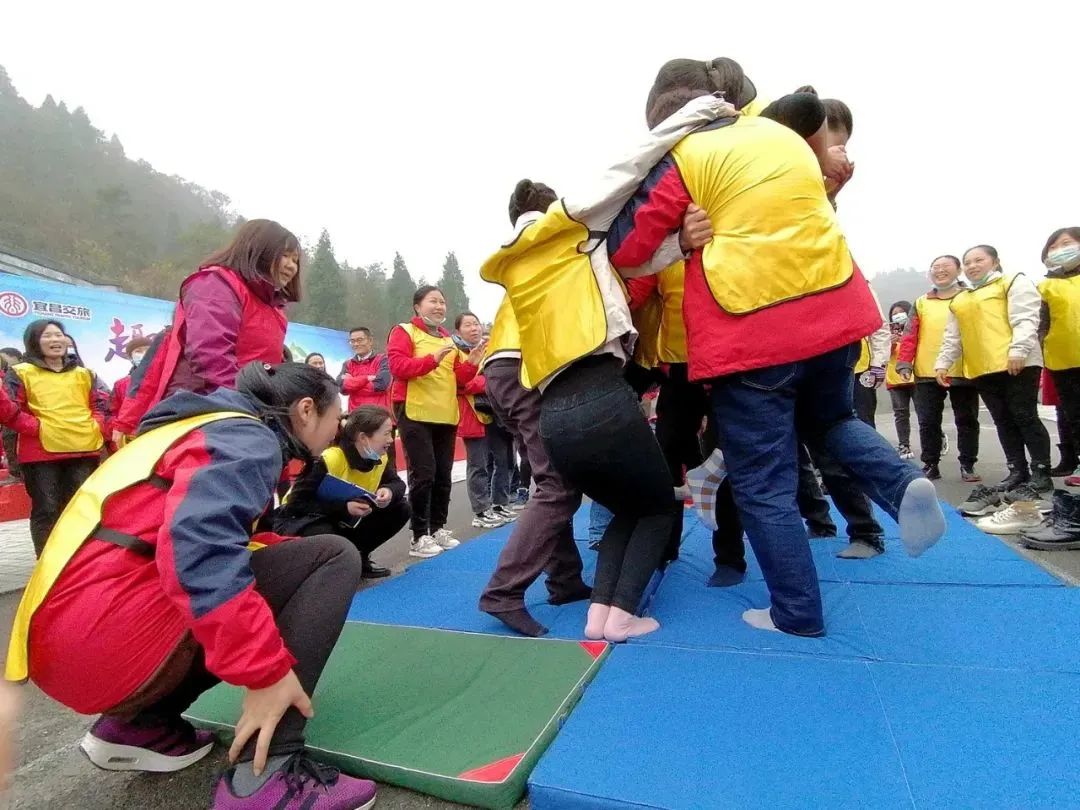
point(932, 472)
point(1015, 478)
point(1040, 478)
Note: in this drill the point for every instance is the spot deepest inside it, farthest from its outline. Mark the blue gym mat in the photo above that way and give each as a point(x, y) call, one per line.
point(671, 728)
point(950, 680)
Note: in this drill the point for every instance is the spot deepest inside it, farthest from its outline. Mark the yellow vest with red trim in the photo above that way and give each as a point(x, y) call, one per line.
point(933, 317)
point(775, 234)
point(81, 519)
point(985, 331)
point(671, 285)
point(1061, 348)
point(554, 294)
point(61, 402)
point(892, 376)
point(432, 397)
point(338, 466)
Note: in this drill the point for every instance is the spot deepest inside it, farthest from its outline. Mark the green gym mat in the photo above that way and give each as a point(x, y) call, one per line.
point(461, 716)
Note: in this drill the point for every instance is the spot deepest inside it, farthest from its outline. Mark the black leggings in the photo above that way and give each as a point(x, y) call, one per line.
point(50, 485)
point(309, 584)
point(596, 437)
point(1013, 405)
point(373, 530)
point(1067, 383)
point(429, 449)
point(930, 407)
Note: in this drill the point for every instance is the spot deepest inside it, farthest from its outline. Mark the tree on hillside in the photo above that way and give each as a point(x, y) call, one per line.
point(399, 292)
point(452, 283)
point(901, 284)
point(324, 288)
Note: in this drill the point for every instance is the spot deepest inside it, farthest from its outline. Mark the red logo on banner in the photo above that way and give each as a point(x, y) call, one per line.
point(13, 305)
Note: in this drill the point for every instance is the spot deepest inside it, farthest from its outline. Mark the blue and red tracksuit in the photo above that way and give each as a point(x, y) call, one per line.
point(114, 617)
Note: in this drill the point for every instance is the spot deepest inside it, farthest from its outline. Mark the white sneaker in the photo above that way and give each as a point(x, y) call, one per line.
point(487, 520)
point(425, 547)
point(1018, 517)
point(444, 539)
point(504, 514)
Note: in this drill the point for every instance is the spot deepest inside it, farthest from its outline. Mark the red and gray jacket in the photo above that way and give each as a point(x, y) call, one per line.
point(120, 614)
point(220, 325)
point(354, 381)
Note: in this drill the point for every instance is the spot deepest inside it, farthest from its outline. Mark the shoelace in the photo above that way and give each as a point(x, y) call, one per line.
point(301, 770)
point(1025, 492)
point(982, 492)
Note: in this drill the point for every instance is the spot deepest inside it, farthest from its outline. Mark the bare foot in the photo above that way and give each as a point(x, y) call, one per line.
point(597, 618)
point(621, 625)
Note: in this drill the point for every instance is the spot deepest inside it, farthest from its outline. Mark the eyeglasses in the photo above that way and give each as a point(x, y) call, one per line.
point(356, 340)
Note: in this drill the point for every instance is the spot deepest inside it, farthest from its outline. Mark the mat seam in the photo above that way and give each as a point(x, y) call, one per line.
point(892, 736)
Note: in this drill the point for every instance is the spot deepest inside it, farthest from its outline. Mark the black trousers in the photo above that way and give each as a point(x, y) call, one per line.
point(1067, 383)
point(680, 407)
point(372, 531)
point(901, 408)
point(309, 584)
point(50, 485)
point(865, 402)
point(849, 498)
point(592, 427)
point(1013, 405)
point(429, 449)
point(930, 408)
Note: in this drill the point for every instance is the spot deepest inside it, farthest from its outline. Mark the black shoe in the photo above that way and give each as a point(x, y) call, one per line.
point(1040, 478)
point(1062, 531)
point(372, 571)
point(1064, 467)
point(932, 472)
point(1015, 478)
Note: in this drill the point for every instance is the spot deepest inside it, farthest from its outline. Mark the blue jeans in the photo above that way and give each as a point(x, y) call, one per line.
point(599, 518)
point(760, 417)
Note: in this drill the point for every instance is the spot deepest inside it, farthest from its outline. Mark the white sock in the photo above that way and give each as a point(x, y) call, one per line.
point(760, 619)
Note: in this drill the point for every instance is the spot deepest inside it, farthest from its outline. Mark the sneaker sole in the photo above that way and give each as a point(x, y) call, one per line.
point(986, 510)
point(1048, 545)
point(922, 523)
point(425, 555)
point(113, 757)
point(1006, 530)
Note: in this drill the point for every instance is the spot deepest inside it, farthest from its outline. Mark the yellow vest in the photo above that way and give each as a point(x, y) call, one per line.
point(775, 234)
point(505, 336)
point(81, 520)
point(1061, 348)
point(985, 331)
point(554, 294)
point(671, 285)
point(338, 466)
point(647, 321)
point(754, 108)
point(863, 363)
point(432, 397)
point(61, 402)
point(892, 376)
point(933, 316)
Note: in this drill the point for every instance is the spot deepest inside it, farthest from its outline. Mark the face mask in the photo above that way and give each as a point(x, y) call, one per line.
point(137, 358)
point(433, 321)
point(988, 277)
point(370, 455)
point(900, 318)
point(1067, 258)
point(946, 287)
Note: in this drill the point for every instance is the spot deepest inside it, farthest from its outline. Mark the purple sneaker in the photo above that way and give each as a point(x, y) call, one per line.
point(116, 745)
point(300, 784)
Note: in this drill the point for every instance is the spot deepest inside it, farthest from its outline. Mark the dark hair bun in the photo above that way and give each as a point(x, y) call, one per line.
point(807, 88)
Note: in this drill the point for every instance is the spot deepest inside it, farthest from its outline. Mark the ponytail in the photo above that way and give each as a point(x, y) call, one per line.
point(275, 389)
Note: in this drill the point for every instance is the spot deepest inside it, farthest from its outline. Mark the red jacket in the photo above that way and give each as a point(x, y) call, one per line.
point(720, 343)
point(405, 366)
point(355, 381)
point(469, 426)
point(114, 616)
point(27, 425)
point(220, 325)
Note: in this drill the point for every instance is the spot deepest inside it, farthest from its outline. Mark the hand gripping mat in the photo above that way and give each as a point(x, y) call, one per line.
point(461, 716)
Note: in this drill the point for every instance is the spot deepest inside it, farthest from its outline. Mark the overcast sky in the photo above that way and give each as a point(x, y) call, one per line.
point(406, 128)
